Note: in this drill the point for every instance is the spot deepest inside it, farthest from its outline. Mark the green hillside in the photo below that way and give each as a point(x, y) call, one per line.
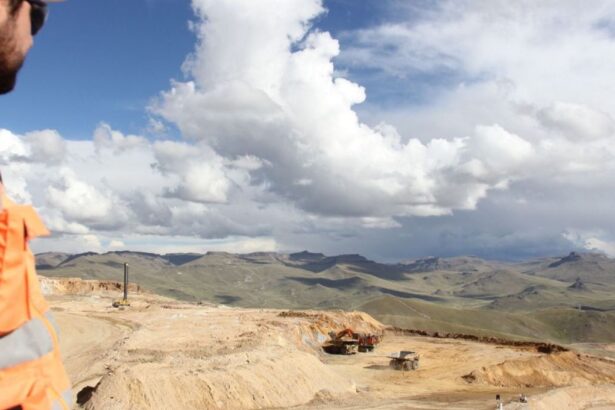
point(567, 299)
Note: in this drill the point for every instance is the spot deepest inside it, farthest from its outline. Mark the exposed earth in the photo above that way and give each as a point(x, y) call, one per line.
point(164, 354)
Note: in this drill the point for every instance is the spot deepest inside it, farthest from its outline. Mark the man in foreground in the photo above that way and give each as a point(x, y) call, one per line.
point(15, 40)
point(20, 20)
point(32, 376)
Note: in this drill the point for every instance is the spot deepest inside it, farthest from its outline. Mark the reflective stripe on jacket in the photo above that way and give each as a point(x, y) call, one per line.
point(31, 372)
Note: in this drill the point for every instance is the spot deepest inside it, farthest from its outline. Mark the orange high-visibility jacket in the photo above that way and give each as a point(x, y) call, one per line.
point(31, 372)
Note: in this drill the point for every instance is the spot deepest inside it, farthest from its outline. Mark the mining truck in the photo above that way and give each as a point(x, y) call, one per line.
point(404, 360)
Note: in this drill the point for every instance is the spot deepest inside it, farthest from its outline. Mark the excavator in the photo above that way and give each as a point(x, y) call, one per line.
point(348, 342)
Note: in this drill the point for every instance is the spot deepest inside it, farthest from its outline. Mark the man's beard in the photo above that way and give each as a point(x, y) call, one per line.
point(9, 63)
point(8, 78)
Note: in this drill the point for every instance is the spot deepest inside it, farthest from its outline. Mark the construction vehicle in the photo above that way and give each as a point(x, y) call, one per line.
point(123, 302)
point(348, 342)
point(368, 342)
point(404, 360)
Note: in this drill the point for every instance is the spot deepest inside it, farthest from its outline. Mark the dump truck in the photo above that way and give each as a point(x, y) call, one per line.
point(404, 360)
point(367, 342)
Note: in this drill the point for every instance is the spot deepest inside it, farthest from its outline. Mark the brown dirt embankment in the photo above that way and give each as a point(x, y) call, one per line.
point(571, 398)
point(76, 286)
point(540, 347)
point(553, 370)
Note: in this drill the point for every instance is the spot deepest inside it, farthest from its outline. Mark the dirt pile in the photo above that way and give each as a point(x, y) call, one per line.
point(188, 356)
point(76, 286)
point(311, 329)
point(594, 397)
point(276, 377)
point(359, 321)
point(552, 370)
point(571, 398)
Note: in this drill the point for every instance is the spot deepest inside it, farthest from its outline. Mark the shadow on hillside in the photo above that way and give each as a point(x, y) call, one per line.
point(227, 299)
point(354, 263)
point(407, 295)
point(328, 283)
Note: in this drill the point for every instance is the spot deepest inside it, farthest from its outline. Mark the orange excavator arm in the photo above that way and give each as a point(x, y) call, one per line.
point(345, 332)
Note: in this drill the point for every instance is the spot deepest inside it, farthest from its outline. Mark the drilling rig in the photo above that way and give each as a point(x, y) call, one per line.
point(123, 302)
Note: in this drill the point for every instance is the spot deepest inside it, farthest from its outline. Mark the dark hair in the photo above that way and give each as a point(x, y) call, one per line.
point(1, 178)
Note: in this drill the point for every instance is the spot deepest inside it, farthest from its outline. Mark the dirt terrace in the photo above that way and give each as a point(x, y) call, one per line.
point(161, 353)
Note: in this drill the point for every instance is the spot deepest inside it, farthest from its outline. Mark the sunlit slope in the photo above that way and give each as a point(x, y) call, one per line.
point(559, 324)
point(589, 268)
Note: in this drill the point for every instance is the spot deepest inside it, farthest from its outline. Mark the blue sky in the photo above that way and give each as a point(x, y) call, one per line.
point(103, 60)
point(99, 60)
point(469, 139)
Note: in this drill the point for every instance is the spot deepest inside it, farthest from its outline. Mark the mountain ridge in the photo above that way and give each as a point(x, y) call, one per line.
point(467, 292)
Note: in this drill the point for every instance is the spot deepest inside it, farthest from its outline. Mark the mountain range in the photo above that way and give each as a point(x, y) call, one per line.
point(566, 299)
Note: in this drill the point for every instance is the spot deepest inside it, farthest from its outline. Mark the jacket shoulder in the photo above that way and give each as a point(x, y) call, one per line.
point(32, 221)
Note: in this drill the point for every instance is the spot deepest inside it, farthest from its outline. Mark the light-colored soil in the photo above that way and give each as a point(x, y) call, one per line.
point(162, 354)
point(558, 369)
point(599, 397)
point(77, 286)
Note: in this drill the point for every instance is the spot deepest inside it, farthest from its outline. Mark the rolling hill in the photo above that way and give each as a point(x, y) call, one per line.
point(566, 299)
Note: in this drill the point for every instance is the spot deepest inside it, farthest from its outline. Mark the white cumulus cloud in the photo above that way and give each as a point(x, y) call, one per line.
point(281, 145)
point(275, 96)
